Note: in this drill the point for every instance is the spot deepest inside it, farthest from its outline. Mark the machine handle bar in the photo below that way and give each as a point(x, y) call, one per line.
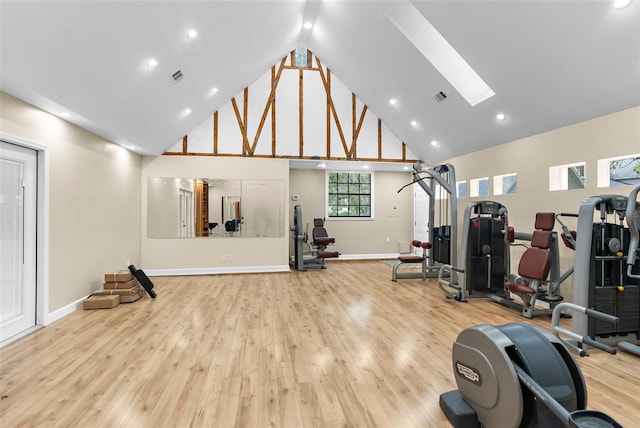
point(601, 316)
point(568, 214)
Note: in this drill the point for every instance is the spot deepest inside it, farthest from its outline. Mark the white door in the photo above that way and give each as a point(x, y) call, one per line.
point(18, 192)
point(186, 214)
point(420, 216)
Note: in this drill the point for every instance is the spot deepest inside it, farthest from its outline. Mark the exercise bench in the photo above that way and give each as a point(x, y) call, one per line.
point(413, 259)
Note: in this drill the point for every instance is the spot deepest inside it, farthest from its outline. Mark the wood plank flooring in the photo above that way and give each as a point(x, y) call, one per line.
point(338, 347)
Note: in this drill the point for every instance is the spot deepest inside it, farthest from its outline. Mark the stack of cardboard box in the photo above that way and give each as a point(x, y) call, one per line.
point(119, 287)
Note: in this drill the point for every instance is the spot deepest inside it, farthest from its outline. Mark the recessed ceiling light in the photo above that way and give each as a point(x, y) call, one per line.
point(191, 34)
point(151, 63)
point(186, 112)
point(434, 143)
point(393, 102)
point(213, 91)
point(500, 116)
point(621, 4)
point(414, 123)
point(307, 25)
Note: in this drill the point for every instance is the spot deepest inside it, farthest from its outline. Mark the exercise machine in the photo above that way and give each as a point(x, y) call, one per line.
point(539, 275)
point(310, 255)
point(518, 375)
point(607, 269)
point(485, 254)
point(439, 183)
point(412, 260)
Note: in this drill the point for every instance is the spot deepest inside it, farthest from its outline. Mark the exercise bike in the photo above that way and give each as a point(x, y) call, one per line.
point(518, 375)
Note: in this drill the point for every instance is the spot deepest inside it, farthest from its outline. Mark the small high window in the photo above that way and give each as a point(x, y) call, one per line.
point(505, 184)
point(462, 189)
point(619, 171)
point(567, 177)
point(301, 57)
point(479, 187)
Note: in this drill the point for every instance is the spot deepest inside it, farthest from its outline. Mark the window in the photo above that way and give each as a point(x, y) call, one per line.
point(619, 171)
point(505, 184)
point(479, 186)
point(301, 57)
point(349, 194)
point(462, 189)
point(567, 177)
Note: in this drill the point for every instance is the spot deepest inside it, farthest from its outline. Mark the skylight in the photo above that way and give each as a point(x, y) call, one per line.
point(439, 52)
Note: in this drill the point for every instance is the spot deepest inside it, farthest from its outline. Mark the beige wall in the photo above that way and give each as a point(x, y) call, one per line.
point(213, 252)
point(613, 135)
point(93, 201)
point(359, 237)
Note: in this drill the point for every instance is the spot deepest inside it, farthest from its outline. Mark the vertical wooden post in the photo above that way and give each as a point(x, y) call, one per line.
point(185, 144)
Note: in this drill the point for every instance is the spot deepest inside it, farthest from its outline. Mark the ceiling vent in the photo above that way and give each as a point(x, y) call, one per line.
point(177, 76)
point(439, 96)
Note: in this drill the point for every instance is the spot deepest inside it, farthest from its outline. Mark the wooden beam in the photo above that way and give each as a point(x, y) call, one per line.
point(328, 110)
point(270, 102)
point(379, 139)
point(245, 115)
point(356, 132)
point(243, 128)
point(215, 132)
point(273, 111)
point(327, 89)
point(300, 113)
point(185, 140)
point(404, 151)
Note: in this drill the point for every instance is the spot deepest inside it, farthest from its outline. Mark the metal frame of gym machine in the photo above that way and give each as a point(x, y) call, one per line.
point(490, 284)
point(443, 238)
point(458, 278)
point(601, 260)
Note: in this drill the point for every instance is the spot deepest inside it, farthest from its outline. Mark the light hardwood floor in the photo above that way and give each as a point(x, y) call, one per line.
point(343, 346)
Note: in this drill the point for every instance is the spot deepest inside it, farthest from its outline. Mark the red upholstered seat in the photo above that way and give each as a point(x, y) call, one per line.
point(411, 259)
point(516, 287)
point(320, 235)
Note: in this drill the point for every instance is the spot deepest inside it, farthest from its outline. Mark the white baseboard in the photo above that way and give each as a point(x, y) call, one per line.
point(63, 311)
point(216, 270)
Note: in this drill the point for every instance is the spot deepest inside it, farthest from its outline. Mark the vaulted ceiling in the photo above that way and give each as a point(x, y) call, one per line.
point(549, 63)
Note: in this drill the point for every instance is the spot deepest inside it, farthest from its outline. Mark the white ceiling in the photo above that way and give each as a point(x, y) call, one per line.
point(550, 63)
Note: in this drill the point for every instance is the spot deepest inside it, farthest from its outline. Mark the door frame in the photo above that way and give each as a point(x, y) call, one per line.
point(42, 229)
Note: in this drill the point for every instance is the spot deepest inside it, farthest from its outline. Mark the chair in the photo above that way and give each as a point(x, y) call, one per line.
point(534, 264)
point(412, 260)
point(321, 240)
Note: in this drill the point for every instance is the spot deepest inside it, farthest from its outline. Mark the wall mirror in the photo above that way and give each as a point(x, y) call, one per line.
point(205, 207)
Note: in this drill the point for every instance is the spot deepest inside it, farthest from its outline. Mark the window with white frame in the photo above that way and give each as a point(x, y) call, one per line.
point(567, 177)
point(505, 184)
point(619, 171)
point(349, 194)
point(479, 187)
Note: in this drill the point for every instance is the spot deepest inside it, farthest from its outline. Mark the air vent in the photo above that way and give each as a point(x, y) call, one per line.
point(177, 76)
point(439, 96)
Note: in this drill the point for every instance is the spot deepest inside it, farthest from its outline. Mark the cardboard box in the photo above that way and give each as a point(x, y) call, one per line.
point(129, 298)
point(120, 276)
point(101, 302)
point(120, 291)
point(126, 285)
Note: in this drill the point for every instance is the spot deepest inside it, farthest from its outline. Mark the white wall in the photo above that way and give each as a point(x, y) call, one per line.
point(94, 202)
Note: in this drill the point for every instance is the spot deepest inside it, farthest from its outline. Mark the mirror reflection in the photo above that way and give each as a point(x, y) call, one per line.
point(203, 207)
